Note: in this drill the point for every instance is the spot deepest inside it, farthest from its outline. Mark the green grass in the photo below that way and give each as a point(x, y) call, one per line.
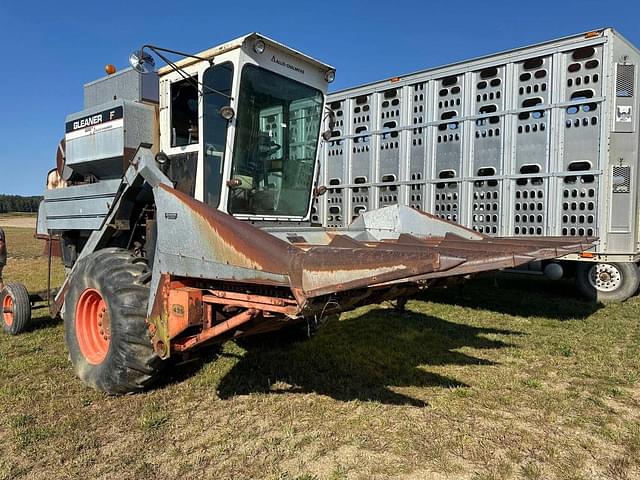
point(507, 378)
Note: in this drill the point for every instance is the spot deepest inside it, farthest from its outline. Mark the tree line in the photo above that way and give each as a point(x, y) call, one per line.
point(17, 203)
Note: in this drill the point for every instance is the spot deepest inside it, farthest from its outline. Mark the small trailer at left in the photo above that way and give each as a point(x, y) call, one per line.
point(16, 301)
point(16, 304)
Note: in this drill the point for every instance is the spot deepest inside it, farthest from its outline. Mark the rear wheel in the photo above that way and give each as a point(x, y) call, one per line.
point(608, 282)
point(105, 327)
point(16, 308)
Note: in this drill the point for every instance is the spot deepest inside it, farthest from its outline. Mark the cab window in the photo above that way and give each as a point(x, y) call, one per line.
point(216, 90)
point(184, 113)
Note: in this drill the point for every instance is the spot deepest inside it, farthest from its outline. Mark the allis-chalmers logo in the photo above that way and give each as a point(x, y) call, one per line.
point(287, 65)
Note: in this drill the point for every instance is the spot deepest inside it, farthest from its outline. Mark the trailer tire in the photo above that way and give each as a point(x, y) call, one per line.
point(16, 308)
point(105, 323)
point(608, 282)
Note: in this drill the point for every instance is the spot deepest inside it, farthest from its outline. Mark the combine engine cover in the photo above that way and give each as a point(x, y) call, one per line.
point(121, 113)
point(100, 141)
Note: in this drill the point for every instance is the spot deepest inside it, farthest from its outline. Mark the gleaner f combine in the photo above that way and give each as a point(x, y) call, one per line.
point(183, 211)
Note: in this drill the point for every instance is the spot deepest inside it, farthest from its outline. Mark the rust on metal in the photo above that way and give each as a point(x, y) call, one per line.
point(158, 321)
point(345, 263)
point(185, 308)
point(290, 310)
point(210, 333)
point(315, 271)
point(314, 275)
point(238, 242)
point(260, 302)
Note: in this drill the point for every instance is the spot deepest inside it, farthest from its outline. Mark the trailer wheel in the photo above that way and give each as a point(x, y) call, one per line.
point(16, 308)
point(608, 282)
point(104, 322)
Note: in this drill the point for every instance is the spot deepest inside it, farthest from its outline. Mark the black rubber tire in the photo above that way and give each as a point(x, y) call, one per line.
point(130, 363)
point(21, 308)
point(629, 283)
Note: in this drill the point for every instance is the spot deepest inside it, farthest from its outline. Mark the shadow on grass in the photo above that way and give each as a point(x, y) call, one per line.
point(41, 322)
point(361, 358)
point(517, 294)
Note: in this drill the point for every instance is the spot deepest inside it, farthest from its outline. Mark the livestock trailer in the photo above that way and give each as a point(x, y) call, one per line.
point(540, 140)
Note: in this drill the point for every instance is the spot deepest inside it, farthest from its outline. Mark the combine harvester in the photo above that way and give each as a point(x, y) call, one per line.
point(184, 214)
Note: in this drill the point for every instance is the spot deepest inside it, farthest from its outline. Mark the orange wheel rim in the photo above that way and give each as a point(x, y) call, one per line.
point(7, 310)
point(93, 327)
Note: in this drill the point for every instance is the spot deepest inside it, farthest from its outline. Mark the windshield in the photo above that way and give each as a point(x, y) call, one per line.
point(277, 129)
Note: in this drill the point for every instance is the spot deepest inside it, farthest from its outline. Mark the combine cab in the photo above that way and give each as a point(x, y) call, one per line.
point(184, 214)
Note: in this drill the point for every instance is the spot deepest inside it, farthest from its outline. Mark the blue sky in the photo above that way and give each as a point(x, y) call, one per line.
point(51, 49)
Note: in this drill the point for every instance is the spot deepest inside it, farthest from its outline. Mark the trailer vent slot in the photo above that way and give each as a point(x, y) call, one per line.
point(621, 179)
point(486, 172)
point(578, 166)
point(529, 169)
point(582, 53)
point(591, 64)
point(488, 109)
point(625, 80)
point(359, 209)
point(489, 72)
point(533, 63)
point(582, 95)
point(447, 82)
point(532, 102)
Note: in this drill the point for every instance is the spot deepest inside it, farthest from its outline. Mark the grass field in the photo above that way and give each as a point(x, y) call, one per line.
point(509, 377)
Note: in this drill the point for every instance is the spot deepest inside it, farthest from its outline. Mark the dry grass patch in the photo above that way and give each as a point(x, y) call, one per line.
point(506, 380)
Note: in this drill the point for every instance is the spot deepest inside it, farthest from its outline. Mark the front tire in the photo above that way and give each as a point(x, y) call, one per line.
point(105, 323)
point(16, 308)
point(608, 282)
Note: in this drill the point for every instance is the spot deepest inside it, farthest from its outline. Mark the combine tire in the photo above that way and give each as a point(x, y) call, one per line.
point(608, 282)
point(16, 308)
point(104, 322)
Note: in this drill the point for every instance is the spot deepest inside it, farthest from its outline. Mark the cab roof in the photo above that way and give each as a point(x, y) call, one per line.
point(238, 43)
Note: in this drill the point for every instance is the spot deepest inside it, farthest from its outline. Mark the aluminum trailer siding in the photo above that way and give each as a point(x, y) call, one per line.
point(541, 140)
